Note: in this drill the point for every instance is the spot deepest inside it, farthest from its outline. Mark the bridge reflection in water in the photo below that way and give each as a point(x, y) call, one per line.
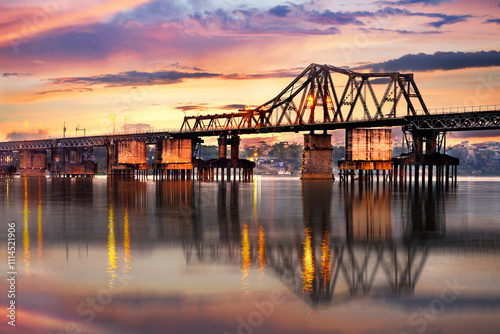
point(341, 244)
point(323, 267)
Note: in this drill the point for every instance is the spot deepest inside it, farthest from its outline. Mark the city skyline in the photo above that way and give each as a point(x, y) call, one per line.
point(152, 62)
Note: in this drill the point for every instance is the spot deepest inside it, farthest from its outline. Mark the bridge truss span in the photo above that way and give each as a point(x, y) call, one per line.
point(324, 94)
point(480, 120)
point(85, 141)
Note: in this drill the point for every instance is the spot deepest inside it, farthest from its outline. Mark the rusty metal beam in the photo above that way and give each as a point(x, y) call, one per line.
point(312, 88)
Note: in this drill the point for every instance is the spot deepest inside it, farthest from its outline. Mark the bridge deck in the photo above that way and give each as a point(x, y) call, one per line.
point(459, 121)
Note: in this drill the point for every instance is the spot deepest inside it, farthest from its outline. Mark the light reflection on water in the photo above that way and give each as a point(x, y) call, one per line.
point(309, 270)
point(246, 261)
point(212, 250)
point(39, 216)
point(126, 244)
point(112, 256)
point(26, 232)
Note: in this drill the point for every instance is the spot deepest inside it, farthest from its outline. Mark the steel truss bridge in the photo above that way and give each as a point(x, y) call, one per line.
point(322, 97)
point(99, 140)
point(325, 97)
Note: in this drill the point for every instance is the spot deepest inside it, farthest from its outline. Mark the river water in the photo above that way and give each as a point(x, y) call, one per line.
point(275, 255)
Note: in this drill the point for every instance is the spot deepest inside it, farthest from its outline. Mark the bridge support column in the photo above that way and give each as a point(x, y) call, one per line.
point(231, 169)
point(127, 159)
point(369, 150)
point(426, 152)
point(112, 157)
point(175, 157)
point(222, 141)
point(33, 162)
point(235, 147)
point(317, 157)
point(75, 161)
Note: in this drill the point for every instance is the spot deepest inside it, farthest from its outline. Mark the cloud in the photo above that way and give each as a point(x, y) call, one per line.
point(179, 66)
point(447, 19)
point(354, 17)
point(280, 11)
point(6, 75)
point(203, 106)
point(335, 18)
point(135, 78)
point(255, 22)
point(79, 90)
point(438, 61)
point(413, 2)
point(155, 12)
point(21, 135)
point(497, 21)
point(191, 107)
point(137, 127)
point(281, 73)
point(443, 18)
point(281, 19)
point(190, 29)
point(233, 106)
point(402, 32)
point(138, 78)
point(380, 81)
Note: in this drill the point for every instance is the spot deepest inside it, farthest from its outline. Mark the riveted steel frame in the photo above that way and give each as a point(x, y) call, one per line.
point(313, 98)
point(455, 122)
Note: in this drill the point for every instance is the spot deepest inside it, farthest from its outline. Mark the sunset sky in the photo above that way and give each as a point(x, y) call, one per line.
point(79, 61)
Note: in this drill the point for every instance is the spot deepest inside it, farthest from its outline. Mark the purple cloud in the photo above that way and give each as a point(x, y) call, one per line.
point(336, 18)
point(79, 90)
point(414, 2)
point(17, 75)
point(136, 78)
point(447, 19)
point(280, 11)
point(438, 61)
point(22, 135)
point(402, 32)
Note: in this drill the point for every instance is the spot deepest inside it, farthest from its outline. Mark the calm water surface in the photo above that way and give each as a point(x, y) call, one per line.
point(276, 255)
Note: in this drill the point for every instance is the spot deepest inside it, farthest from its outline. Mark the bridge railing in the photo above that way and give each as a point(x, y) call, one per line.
point(463, 109)
point(118, 133)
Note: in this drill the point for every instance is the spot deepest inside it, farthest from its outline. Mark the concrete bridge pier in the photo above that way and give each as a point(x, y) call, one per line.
point(317, 157)
point(367, 151)
point(174, 158)
point(72, 162)
point(33, 162)
point(441, 169)
point(235, 141)
point(222, 141)
point(127, 159)
point(223, 168)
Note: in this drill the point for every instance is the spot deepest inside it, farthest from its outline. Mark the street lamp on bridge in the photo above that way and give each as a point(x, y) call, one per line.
point(26, 125)
point(113, 118)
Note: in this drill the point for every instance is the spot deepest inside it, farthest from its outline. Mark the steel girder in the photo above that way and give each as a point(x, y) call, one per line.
point(150, 138)
point(314, 98)
point(455, 122)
